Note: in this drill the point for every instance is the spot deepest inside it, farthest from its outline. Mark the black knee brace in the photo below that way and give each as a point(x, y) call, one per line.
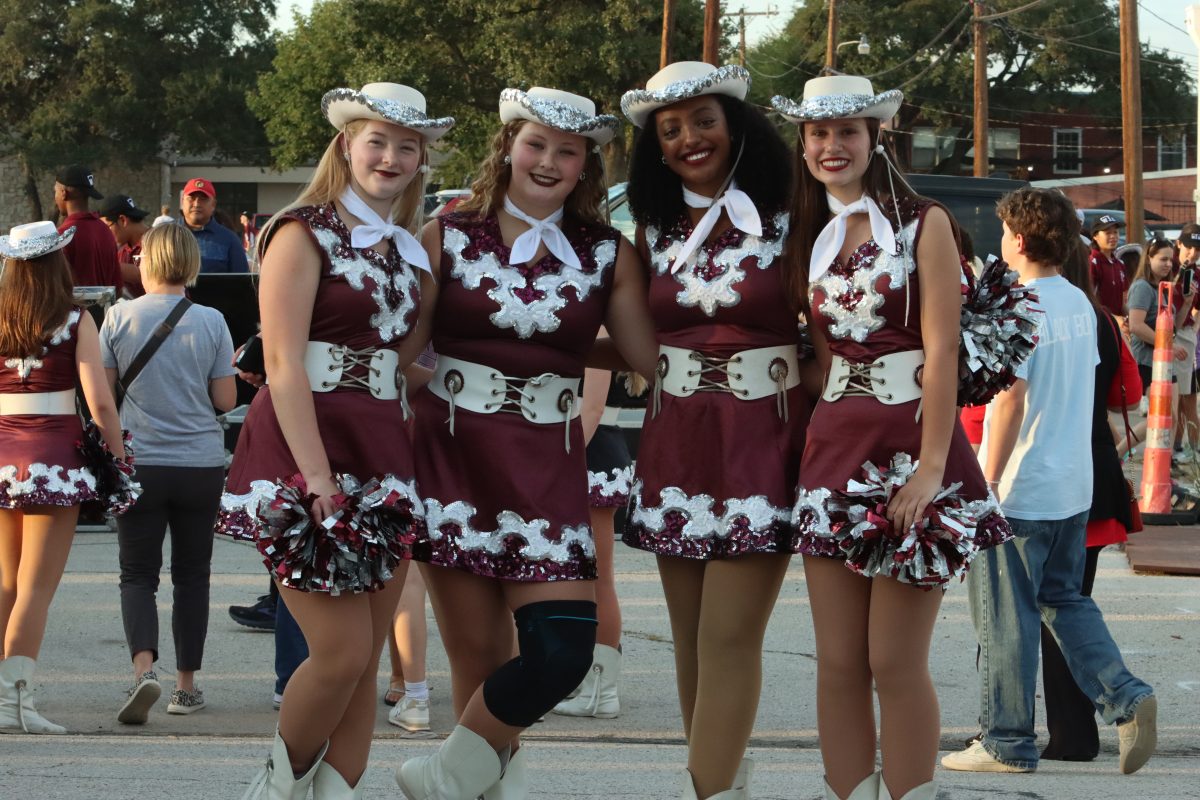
point(556, 639)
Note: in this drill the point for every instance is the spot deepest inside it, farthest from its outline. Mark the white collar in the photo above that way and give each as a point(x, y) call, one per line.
point(540, 231)
point(742, 212)
point(833, 235)
point(375, 229)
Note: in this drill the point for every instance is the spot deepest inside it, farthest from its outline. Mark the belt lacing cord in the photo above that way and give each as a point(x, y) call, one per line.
point(509, 405)
point(859, 382)
point(778, 372)
point(351, 358)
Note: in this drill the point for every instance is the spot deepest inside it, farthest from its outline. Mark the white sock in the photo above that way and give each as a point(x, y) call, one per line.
point(416, 691)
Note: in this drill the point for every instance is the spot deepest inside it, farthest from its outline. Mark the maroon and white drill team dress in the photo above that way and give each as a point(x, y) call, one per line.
point(716, 474)
point(862, 446)
point(365, 302)
point(40, 464)
point(506, 496)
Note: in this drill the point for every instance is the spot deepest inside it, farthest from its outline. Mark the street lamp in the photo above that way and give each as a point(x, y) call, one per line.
point(864, 47)
point(1191, 19)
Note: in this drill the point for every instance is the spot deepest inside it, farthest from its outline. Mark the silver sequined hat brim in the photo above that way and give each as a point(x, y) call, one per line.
point(882, 106)
point(385, 111)
point(638, 104)
point(35, 246)
point(516, 104)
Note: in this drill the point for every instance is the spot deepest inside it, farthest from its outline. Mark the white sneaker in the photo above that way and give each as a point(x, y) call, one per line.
point(412, 715)
point(976, 759)
point(276, 700)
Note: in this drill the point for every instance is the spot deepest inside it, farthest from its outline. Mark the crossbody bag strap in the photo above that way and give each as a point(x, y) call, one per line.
point(1129, 442)
point(151, 347)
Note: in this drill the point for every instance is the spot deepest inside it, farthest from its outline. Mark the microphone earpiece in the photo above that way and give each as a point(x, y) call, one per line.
point(879, 149)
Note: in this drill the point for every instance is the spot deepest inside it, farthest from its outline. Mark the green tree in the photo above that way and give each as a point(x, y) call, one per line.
point(1053, 57)
point(98, 81)
point(461, 54)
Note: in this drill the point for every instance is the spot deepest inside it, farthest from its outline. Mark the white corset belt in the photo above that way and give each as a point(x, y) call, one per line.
point(892, 379)
point(544, 400)
point(327, 366)
point(43, 403)
point(747, 375)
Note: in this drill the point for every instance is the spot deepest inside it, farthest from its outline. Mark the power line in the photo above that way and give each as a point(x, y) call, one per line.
point(920, 50)
point(1162, 20)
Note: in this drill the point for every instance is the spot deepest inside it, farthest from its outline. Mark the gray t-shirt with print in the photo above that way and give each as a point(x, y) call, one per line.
point(168, 409)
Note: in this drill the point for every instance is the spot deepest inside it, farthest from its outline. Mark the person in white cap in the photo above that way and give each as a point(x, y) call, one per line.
point(527, 272)
point(719, 456)
point(892, 503)
point(46, 345)
point(322, 479)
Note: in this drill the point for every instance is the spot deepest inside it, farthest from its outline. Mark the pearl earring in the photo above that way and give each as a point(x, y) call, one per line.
point(582, 176)
point(346, 156)
point(663, 159)
point(507, 159)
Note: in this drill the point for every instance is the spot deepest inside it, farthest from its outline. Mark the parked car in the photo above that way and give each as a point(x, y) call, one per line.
point(447, 199)
point(972, 202)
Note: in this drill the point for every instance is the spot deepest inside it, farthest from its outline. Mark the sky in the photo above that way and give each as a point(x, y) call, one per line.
point(1160, 22)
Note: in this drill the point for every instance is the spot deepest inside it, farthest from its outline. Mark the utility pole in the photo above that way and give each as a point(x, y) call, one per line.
point(770, 12)
point(1131, 121)
point(712, 28)
point(981, 93)
point(664, 56)
point(831, 38)
point(1192, 23)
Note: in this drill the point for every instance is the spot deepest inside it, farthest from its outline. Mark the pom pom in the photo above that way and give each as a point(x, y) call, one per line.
point(116, 490)
point(999, 332)
point(374, 527)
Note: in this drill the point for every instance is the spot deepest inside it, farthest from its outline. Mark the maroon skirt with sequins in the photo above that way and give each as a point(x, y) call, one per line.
point(40, 463)
point(716, 476)
point(503, 497)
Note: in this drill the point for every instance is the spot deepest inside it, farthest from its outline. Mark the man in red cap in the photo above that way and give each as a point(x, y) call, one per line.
point(92, 253)
point(220, 248)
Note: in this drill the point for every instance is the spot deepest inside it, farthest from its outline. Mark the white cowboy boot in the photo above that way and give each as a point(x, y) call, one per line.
point(741, 780)
point(926, 791)
point(514, 783)
point(869, 788)
point(464, 767)
point(17, 714)
point(276, 781)
point(689, 790)
point(330, 785)
point(598, 693)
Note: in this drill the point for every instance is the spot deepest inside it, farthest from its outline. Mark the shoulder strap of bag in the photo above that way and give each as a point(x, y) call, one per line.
point(151, 347)
point(1129, 439)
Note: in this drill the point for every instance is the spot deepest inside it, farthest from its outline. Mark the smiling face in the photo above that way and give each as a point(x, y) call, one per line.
point(546, 165)
point(1107, 239)
point(695, 140)
point(837, 153)
point(383, 159)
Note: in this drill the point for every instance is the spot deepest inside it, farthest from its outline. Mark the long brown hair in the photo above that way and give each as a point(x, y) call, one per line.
point(810, 210)
point(1077, 271)
point(1144, 273)
point(585, 202)
point(35, 298)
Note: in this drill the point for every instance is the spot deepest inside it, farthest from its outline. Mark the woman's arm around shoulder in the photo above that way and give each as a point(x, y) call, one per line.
point(628, 316)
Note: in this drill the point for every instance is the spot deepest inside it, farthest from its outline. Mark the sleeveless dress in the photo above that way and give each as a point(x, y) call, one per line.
point(40, 463)
point(364, 300)
point(609, 462)
point(858, 448)
point(504, 498)
point(716, 475)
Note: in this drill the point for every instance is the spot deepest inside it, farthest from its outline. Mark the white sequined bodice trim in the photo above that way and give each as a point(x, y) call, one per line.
point(526, 318)
point(394, 292)
point(25, 366)
point(708, 284)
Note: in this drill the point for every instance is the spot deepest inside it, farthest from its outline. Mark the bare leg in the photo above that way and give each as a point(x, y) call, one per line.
point(683, 585)
point(738, 596)
point(46, 534)
point(901, 627)
point(608, 610)
point(841, 603)
point(10, 561)
point(410, 633)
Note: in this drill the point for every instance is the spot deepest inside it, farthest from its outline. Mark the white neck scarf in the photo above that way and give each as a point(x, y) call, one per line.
point(540, 230)
point(734, 202)
point(375, 229)
point(833, 235)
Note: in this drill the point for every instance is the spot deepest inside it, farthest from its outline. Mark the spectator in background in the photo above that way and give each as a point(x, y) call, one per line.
point(181, 463)
point(220, 248)
point(249, 232)
point(127, 223)
point(1107, 271)
point(1188, 255)
point(92, 253)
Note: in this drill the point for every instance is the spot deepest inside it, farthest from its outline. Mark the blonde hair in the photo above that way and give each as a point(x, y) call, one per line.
point(586, 200)
point(332, 176)
point(170, 255)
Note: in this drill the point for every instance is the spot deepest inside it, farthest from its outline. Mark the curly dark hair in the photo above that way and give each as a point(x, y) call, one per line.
point(1046, 219)
point(764, 172)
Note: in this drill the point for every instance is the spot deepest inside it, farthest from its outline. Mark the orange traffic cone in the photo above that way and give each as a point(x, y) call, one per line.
point(1156, 459)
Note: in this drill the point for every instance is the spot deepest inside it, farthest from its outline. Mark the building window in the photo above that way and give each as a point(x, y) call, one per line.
point(1172, 153)
point(930, 147)
point(1068, 151)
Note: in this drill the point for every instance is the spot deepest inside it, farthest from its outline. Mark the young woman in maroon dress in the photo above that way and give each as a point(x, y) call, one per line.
point(326, 441)
point(527, 272)
point(46, 344)
point(890, 493)
point(720, 450)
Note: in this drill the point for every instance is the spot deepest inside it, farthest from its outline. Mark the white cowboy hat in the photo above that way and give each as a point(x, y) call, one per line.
point(839, 97)
point(682, 80)
point(386, 102)
point(34, 240)
point(559, 110)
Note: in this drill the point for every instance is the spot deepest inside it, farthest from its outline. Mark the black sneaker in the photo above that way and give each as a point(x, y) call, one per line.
point(260, 616)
